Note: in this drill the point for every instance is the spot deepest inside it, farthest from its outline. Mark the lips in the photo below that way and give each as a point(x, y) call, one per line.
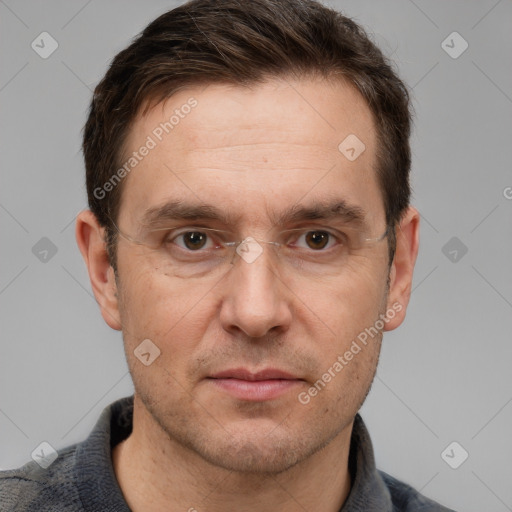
point(264, 385)
point(243, 374)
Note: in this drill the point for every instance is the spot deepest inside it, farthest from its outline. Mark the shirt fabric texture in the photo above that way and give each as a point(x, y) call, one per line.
point(82, 478)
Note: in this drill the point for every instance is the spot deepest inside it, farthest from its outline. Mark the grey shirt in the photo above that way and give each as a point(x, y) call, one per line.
point(82, 477)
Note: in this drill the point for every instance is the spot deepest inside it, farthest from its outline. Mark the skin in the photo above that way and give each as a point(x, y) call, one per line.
point(248, 151)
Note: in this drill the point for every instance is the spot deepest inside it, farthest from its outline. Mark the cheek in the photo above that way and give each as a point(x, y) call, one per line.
point(346, 311)
point(167, 311)
point(175, 319)
point(353, 299)
point(347, 366)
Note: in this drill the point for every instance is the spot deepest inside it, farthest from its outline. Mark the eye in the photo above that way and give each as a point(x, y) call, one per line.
point(192, 240)
point(316, 240)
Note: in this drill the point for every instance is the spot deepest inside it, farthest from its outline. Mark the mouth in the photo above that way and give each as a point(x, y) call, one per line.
point(258, 386)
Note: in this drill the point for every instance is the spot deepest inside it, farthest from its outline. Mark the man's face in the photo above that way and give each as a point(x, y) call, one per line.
point(252, 154)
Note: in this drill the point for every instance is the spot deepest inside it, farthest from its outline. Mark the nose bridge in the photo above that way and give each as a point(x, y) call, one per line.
point(250, 249)
point(255, 300)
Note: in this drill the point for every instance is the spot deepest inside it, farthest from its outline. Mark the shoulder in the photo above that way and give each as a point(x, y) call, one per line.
point(31, 488)
point(407, 499)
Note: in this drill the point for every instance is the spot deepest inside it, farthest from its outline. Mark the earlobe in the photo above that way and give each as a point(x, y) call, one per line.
point(90, 239)
point(402, 268)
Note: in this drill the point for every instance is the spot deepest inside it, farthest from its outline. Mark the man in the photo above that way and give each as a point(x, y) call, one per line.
point(250, 234)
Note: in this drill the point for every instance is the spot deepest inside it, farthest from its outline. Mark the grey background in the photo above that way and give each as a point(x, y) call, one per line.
point(444, 375)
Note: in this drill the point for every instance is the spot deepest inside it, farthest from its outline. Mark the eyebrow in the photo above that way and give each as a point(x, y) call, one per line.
point(337, 209)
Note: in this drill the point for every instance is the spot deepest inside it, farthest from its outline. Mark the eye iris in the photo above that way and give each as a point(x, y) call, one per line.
point(317, 239)
point(194, 239)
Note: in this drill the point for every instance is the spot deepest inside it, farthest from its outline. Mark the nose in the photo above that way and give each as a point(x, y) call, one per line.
point(255, 299)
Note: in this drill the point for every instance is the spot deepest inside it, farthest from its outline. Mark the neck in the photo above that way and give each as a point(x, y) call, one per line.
point(156, 473)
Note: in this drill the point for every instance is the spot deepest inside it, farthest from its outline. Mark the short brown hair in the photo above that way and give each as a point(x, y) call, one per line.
point(243, 42)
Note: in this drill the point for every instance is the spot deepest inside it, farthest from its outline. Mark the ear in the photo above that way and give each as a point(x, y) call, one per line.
point(401, 272)
point(90, 239)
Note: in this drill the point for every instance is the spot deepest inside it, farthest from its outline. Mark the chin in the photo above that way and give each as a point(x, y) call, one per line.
point(253, 457)
point(267, 452)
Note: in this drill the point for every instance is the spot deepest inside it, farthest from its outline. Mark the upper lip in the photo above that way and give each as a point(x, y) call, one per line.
point(244, 374)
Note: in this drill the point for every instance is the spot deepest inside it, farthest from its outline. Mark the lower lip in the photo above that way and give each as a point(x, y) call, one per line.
point(255, 390)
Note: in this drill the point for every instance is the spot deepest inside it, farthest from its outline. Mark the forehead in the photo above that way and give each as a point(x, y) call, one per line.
point(253, 147)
